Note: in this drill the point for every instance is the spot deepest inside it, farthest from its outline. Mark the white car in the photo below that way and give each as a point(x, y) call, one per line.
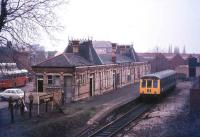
point(15, 93)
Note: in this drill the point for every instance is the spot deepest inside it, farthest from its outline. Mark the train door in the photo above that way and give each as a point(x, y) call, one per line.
point(149, 86)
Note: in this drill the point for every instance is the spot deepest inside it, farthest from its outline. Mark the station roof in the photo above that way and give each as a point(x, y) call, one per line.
point(107, 58)
point(64, 60)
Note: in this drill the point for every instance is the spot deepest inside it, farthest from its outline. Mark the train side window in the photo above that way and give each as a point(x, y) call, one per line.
point(143, 83)
point(155, 83)
point(149, 83)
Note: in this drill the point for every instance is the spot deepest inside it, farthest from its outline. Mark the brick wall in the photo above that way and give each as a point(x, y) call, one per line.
point(176, 61)
point(103, 78)
point(182, 69)
point(159, 63)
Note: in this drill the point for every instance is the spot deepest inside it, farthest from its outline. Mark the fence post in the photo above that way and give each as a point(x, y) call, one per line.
point(38, 98)
point(10, 103)
point(46, 106)
point(52, 102)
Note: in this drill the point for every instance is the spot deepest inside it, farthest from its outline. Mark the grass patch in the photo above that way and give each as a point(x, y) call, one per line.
point(75, 117)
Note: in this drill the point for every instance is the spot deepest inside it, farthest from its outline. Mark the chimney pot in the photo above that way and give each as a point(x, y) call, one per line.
point(75, 46)
point(114, 49)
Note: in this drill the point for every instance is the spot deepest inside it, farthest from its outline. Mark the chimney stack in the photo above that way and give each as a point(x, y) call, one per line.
point(114, 49)
point(122, 49)
point(75, 46)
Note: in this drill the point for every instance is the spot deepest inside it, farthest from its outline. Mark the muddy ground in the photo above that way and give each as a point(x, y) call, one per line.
point(170, 118)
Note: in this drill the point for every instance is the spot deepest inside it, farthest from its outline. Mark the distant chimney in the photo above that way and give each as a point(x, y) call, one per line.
point(114, 49)
point(122, 49)
point(75, 46)
point(128, 47)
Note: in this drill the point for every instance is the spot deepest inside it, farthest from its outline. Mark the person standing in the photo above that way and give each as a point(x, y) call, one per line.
point(30, 104)
point(16, 106)
point(21, 104)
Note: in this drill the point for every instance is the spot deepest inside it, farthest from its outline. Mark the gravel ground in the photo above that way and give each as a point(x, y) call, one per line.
point(170, 118)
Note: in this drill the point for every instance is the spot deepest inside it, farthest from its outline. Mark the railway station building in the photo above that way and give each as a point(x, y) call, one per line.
point(88, 68)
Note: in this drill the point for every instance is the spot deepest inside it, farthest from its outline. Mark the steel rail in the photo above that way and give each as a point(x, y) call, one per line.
point(118, 124)
point(92, 129)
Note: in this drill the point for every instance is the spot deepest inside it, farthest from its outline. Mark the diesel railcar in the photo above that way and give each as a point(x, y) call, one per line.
point(158, 83)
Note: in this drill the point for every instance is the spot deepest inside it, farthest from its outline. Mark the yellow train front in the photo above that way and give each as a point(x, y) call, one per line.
point(157, 84)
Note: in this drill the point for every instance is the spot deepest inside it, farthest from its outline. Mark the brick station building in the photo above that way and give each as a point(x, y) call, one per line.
point(88, 68)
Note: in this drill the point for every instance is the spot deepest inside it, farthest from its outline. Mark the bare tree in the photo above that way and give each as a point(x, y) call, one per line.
point(22, 21)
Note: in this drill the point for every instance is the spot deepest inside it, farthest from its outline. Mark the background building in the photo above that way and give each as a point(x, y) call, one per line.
point(186, 65)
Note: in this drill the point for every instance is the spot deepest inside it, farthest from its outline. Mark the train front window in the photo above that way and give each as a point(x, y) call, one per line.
point(149, 83)
point(143, 83)
point(155, 83)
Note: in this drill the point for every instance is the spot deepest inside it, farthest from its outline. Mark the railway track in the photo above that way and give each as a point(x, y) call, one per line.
point(118, 124)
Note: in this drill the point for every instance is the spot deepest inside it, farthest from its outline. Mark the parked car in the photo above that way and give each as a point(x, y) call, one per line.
point(15, 93)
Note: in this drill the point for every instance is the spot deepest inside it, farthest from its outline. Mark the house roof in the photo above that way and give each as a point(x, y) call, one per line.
point(129, 55)
point(64, 60)
point(123, 59)
point(102, 44)
point(76, 59)
point(88, 52)
point(107, 58)
point(88, 55)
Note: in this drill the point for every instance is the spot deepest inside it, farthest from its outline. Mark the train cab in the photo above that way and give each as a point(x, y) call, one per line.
point(158, 83)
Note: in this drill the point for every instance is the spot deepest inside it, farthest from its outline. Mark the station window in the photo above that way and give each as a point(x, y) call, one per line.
point(57, 80)
point(54, 80)
point(149, 83)
point(50, 79)
point(155, 83)
point(83, 79)
point(143, 83)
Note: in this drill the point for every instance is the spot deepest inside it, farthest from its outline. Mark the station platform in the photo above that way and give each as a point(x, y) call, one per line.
point(100, 106)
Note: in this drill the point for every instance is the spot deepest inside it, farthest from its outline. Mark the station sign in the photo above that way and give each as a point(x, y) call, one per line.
point(45, 98)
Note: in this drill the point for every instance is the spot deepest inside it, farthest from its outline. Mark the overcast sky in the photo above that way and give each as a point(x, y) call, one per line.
point(145, 23)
